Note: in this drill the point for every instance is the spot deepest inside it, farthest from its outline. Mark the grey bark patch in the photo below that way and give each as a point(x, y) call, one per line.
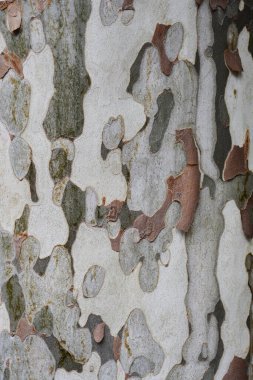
point(14, 103)
point(223, 112)
point(21, 224)
point(133, 250)
point(137, 342)
point(18, 42)
point(174, 41)
point(165, 103)
point(14, 300)
point(64, 26)
point(136, 67)
point(219, 313)
point(202, 269)
point(20, 157)
point(7, 255)
point(113, 132)
point(109, 10)
point(62, 357)
point(6, 374)
point(59, 166)
point(40, 361)
point(93, 281)
point(30, 250)
point(7, 249)
point(73, 205)
point(108, 371)
point(141, 366)
point(51, 289)
point(31, 178)
point(41, 265)
point(43, 321)
point(30, 359)
point(208, 182)
point(105, 347)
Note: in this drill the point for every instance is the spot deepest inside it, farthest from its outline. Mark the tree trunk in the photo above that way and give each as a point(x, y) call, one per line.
point(126, 209)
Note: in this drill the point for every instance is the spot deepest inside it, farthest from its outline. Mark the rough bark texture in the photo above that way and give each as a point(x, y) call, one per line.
point(126, 210)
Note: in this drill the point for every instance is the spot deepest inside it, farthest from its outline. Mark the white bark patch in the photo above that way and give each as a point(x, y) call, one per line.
point(4, 318)
point(234, 290)
point(37, 36)
point(174, 41)
point(239, 97)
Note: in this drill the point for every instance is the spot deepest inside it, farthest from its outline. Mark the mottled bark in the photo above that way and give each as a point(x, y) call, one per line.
point(126, 210)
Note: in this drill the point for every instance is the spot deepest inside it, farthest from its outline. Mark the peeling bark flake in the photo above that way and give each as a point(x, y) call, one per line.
point(237, 160)
point(14, 15)
point(9, 60)
point(247, 224)
point(233, 61)
point(158, 41)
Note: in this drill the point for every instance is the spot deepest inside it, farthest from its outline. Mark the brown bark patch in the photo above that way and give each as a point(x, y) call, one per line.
point(158, 41)
point(24, 329)
point(4, 4)
point(116, 347)
point(128, 5)
point(9, 60)
point(184, 189)
point(247, 224)
point(42, 4)
point(99, 332)
point(115, 243)
point(237, 160)
point(237, 370)
point(14, 15)
point(233, 61)
point(114, 209)
point(214, 4)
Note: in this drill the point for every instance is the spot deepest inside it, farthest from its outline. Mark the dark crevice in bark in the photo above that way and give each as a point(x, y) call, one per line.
point(105, 347)
point(165, 103)
point(223, 143)
point(219, 313)
point(135, 69)
point(31, 178)
point(62, 357)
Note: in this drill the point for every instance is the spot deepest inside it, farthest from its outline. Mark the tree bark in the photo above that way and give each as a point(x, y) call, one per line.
point(126, 210)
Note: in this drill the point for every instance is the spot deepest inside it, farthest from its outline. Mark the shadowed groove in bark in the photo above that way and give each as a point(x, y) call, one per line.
point(62, 358)
point(223, 143)
point(31, 178)
point(165, 103)
point(135, 69)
